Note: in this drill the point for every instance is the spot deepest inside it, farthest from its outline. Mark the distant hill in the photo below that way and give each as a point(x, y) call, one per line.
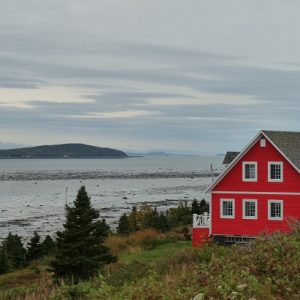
point(62, 151)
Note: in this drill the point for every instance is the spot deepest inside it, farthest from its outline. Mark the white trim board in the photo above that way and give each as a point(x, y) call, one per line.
point(256, 193)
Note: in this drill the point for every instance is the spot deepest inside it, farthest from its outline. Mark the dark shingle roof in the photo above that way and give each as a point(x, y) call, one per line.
point(229, 157)
point(288, 142)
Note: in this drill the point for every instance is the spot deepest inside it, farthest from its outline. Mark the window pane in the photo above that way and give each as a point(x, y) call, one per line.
point(250, 171)
point(275, 210)
point(227, 208)
point(250, 209)
point(275, 171)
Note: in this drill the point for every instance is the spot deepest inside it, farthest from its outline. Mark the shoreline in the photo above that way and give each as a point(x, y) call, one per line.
point(86, 175)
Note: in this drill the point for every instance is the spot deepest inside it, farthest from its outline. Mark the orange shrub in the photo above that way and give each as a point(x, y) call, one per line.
point(135, 242)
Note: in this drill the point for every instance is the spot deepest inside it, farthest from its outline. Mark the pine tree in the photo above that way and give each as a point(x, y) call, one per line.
point(48, 245)
point(132, 219)
point(15, 251)
point(123, 226)
point(34, 248)
point(80, 253)
point(4, 264)
point(162, 222)
point(195, 207)
point(203, 206)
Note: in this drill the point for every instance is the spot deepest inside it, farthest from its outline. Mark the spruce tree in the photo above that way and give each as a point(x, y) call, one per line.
point(48, 245)
point(80, 252)
point(4, 264)
point(123, 226)
point(195, 207)
point(162, 222)
point(203, 206)
point(15, 251)
point(34, 248)
point(132, 219)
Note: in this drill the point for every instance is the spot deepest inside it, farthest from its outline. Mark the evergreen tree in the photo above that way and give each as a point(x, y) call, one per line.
point(123, 226)
point(162, 222)
point(203, 206)
point(34, 248)
point(48, 245)
point(15, 251)
point(195, 207)
point(4, 264)
point(80, 252)
point(132, 219)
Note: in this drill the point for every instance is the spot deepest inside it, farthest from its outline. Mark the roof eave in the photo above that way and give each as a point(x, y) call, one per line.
point(234, 162)
point(281, 152)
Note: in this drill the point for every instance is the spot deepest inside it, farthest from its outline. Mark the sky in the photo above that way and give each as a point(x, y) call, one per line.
point(192, 76)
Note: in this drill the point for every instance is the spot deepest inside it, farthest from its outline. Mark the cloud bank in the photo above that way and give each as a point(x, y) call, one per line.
point(193, 76)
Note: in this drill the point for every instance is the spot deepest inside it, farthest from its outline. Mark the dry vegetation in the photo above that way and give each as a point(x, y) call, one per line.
point(268, 268)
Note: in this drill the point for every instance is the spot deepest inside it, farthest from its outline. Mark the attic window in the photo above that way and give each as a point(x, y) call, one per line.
point(263, 142)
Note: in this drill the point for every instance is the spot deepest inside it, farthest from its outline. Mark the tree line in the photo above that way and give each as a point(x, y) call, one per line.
point(13, 254)
point(148, 217)
point(78, 252)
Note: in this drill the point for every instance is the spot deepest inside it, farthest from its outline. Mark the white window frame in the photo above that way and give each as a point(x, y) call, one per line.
point(221, 208)
point(263, 142)
point(244, 171)
point(278, 163)
point(244, 209)
point(269, 210)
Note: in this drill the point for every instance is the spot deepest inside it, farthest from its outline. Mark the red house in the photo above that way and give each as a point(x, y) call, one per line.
point(258, 192)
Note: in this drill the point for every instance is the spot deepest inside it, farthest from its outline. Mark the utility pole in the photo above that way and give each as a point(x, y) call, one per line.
point(211, 173)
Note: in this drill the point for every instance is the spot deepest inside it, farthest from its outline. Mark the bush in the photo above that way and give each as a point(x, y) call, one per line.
point(135, 242)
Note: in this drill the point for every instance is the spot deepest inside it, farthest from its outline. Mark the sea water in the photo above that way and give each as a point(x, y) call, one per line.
point(34, 192)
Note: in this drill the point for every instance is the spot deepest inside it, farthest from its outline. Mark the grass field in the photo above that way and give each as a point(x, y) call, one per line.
point(159, 252)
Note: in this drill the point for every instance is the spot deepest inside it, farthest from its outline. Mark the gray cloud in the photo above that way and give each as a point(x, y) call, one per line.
point(176, 75)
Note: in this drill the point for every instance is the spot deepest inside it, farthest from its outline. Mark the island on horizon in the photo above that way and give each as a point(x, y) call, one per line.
point(72, 150)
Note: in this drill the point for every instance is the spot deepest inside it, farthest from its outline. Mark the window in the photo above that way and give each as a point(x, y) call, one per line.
point(275, 210)
point(275, 173)
point(263, 143)
point(249, 209)
point(249, 171)
point(227, 208)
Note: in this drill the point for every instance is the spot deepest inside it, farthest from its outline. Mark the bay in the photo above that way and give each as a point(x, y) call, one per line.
point(33, 192)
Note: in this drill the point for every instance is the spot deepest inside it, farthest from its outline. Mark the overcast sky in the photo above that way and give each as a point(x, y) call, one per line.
point(188, 76)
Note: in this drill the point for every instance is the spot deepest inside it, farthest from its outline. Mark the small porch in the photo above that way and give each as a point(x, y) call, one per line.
point(201, 229)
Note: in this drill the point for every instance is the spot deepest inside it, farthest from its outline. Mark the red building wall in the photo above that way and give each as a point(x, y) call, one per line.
point(233, 182)
point(253, 227)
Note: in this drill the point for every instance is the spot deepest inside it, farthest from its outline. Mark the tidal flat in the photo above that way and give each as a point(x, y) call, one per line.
point(33, 193)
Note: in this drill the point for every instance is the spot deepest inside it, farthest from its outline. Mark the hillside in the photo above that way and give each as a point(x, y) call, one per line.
point(162, 267)
point(62, 151)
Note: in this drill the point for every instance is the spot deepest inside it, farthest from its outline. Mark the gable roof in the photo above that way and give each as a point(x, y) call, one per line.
point(229, 157)
point(286, 142)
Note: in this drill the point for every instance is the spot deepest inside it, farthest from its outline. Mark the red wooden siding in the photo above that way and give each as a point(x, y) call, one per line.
point(233, 182)
point(246, 227)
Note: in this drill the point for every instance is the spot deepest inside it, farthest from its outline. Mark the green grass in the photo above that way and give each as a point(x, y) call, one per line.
point(159, 252)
